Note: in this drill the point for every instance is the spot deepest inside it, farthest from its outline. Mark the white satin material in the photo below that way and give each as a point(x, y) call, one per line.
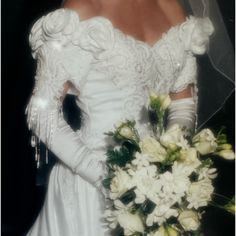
point(182, 112)
point(113, 73)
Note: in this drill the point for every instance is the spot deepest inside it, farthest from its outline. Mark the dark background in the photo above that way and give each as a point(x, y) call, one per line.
point(22, 196)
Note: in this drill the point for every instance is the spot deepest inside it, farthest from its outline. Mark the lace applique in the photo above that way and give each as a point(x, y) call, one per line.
point(188, 75)
point(95, 35)
point(176, 65)
point(122, 60)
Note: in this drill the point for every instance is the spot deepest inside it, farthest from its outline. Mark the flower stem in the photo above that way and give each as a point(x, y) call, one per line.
point(220, 195)
point(216, 205)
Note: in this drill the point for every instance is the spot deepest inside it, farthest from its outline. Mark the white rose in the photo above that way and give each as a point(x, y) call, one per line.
point(205, 142)
point(165, 101)
point(168, 231)
point(226, 154)
point(119, 184)
point(173, 137)
point(162, 101)
point(153, 95)
point(189, 220)
point(126, 132)
point(131, 223)
point(189, 158)
point(199, 193)
point(118, 124)
point(153, 149)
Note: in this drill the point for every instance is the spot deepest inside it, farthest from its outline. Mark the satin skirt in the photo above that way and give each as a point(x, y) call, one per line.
point(73, 207)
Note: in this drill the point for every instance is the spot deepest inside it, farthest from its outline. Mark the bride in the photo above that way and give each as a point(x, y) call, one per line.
point(111, 54)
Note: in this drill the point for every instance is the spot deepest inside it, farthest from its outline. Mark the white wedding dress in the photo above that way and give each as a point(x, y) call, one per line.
point(112, 73)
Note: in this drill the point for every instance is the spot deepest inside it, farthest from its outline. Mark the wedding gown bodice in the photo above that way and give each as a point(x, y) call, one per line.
point(112, 73)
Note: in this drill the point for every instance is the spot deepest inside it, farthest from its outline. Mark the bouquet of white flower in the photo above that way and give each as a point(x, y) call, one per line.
point(159, 185)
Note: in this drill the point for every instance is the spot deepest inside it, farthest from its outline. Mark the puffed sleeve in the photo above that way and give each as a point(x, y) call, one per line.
point(191, 39)
point(55, 46)
point(193, 35)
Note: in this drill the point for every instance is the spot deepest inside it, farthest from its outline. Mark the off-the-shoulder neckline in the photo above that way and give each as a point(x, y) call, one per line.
point(103, 18)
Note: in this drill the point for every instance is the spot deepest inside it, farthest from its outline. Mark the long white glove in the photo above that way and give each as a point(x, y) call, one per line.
point(183, 112)
point(47, 122)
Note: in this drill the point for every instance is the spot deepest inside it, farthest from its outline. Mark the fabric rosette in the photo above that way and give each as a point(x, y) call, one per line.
point(56, 27)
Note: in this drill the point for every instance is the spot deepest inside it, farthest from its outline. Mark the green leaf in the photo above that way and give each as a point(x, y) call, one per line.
point(147, 207)
point(207, 163)
point(109, 134)
point(221, 137)
point(230, 206)
point(154, 227)
point(153, 118)
point(193, 233)
point(193, 177)
point(137, 234)
point(119, 157)
point(131, 146)
point(222, 129)
point(128, 196)
point(118, 231)
point(106, 183)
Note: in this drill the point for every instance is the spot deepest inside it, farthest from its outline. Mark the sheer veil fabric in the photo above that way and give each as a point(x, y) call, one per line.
point(218, 77)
